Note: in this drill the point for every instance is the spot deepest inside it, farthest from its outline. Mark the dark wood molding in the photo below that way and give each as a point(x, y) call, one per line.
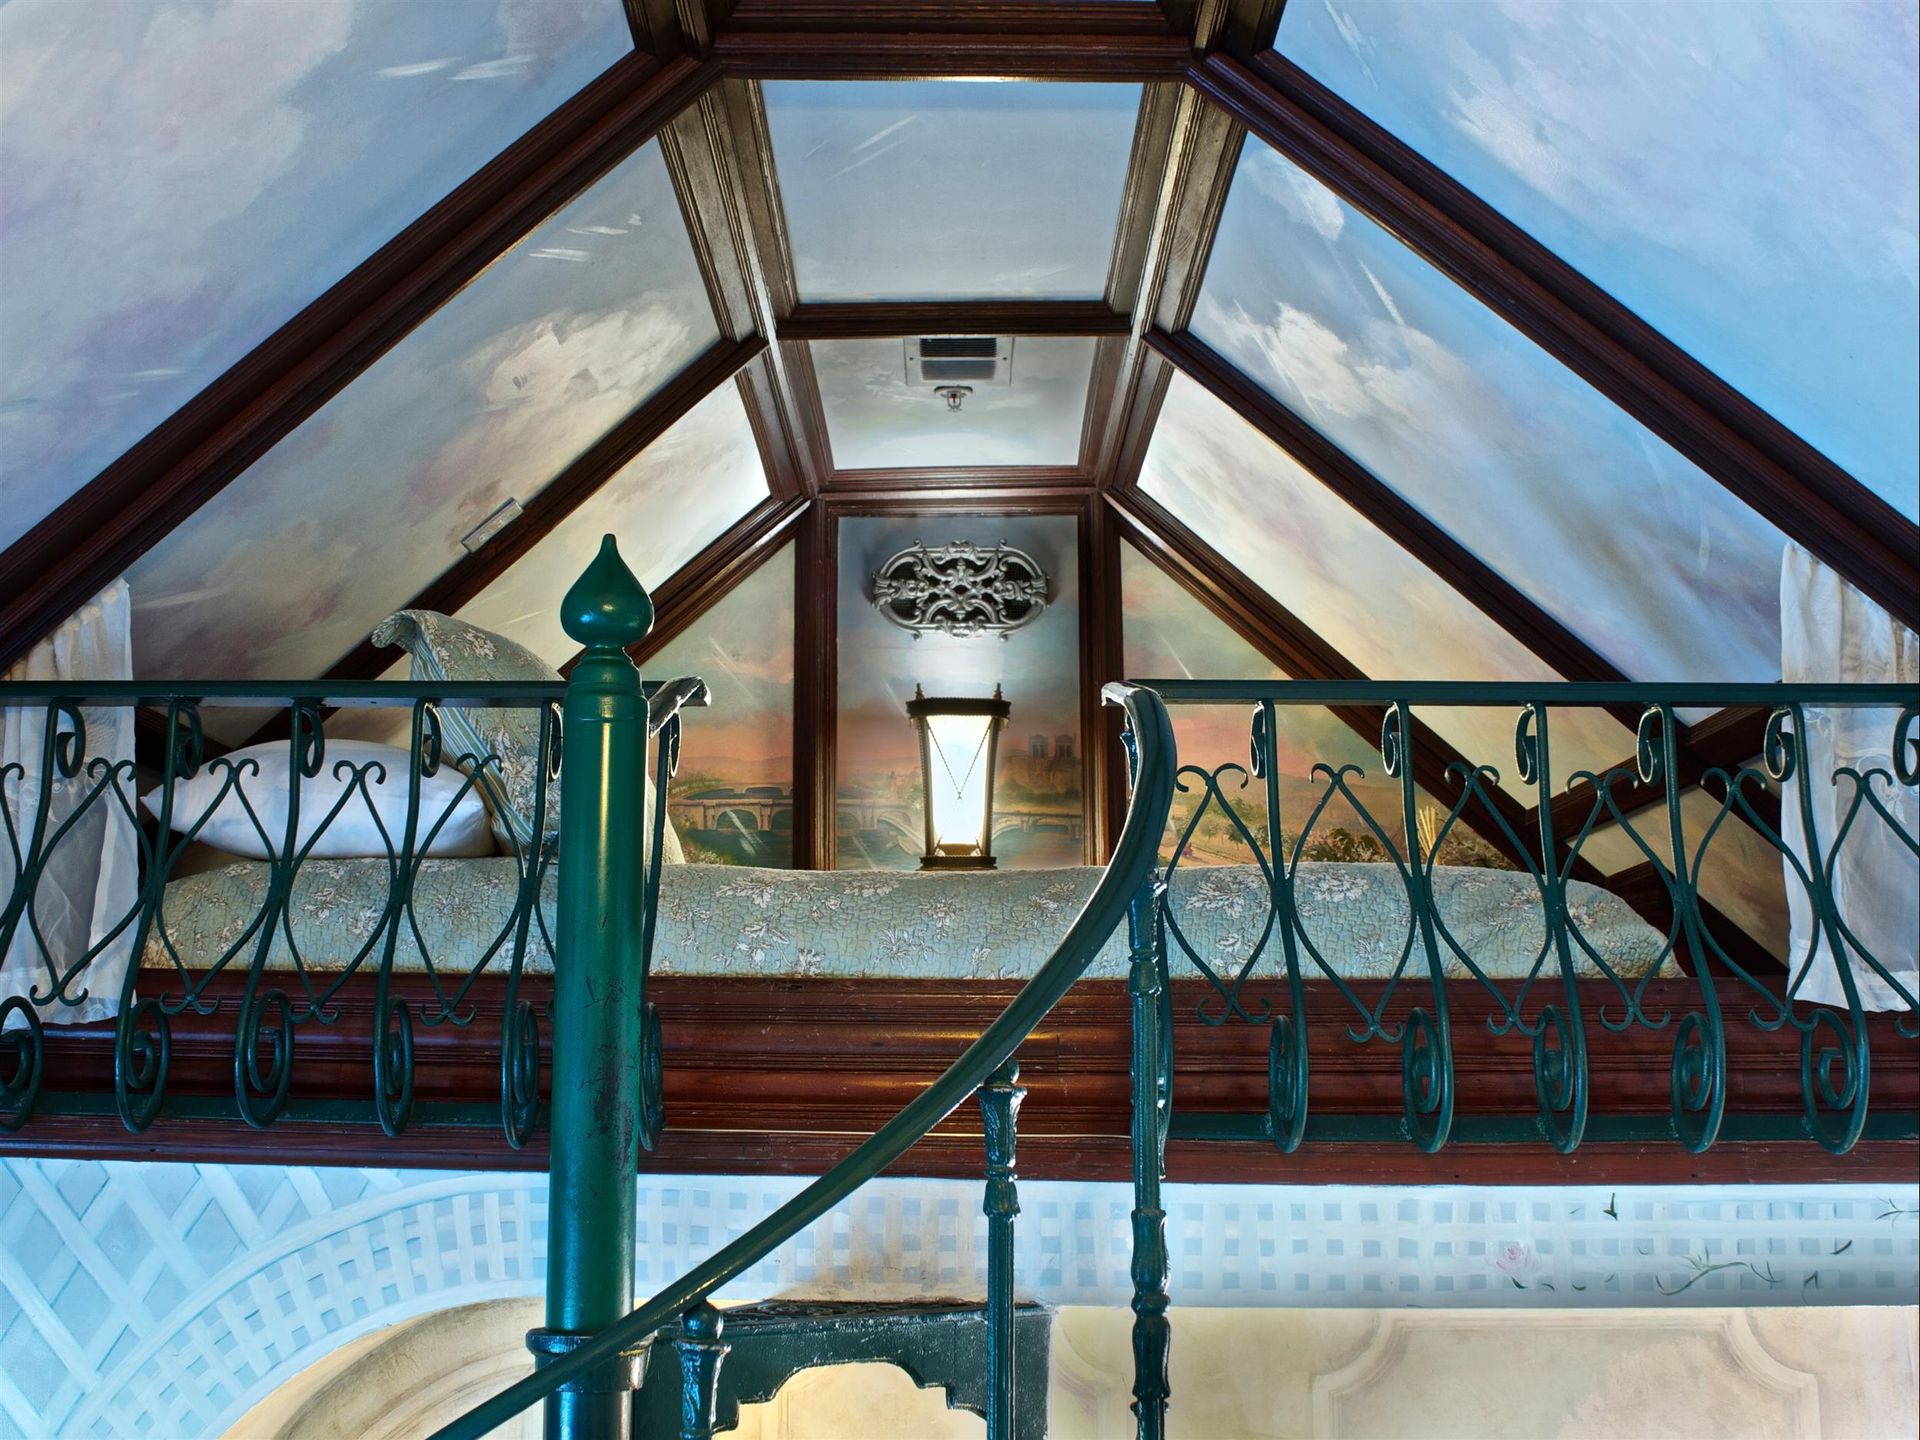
point(744, 1096)
point(893, 320)
point(655, 27)
point(765, 258)
point(120, 514)
point(1100, 587)
point(571, 488)
point(1477, 582)
point(1100, 628)
point(816, 634)
point(933, 54)
point(940, 20)
point(908, 488)
point(1250, 26)
point(1780, 476)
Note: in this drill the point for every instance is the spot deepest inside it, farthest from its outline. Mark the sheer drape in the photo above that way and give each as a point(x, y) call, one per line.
point(1831, 632)
point(91, 879)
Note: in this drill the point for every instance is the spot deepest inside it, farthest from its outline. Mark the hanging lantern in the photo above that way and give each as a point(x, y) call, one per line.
point(958, 741)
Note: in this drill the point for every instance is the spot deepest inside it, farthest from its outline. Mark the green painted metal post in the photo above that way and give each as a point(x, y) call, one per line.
point(1000, 1101)
point(1152, 1075)
point(598, 996)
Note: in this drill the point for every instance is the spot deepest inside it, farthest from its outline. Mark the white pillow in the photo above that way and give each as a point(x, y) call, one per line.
point(352, 832)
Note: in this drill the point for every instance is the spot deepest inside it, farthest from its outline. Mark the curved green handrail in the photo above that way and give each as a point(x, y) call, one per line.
point(1134, 858)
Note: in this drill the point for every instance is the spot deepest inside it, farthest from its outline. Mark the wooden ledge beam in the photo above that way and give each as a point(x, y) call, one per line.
point(1783, 479)
point(743, 1095)
point(889, 320)
point(125, 510)
point(939, 20)
point(1126, 56)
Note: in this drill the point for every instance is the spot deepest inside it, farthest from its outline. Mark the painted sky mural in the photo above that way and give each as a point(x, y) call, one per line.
point(1621, 539)
point(238, 158)
point(1038, 785)
point(663, 507)
point(1032, 175)
point(733, 800)
point(1372, 601)
point(367, 501)
point(876, 420)
point(1170, 635)
point(1773, 240)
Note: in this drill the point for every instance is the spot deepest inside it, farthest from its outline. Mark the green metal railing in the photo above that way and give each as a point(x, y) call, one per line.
point(598, 1363)
point(1568, 1003)
point(75, 794)
point(1573, 997)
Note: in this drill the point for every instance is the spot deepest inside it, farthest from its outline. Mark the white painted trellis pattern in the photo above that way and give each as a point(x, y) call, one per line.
point(163, 1300)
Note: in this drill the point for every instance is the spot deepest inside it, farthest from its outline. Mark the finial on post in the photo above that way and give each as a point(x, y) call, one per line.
point(608, 607)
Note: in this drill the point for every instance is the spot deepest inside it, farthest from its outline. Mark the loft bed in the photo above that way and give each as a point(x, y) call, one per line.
point(445, 941)
point(453, 994)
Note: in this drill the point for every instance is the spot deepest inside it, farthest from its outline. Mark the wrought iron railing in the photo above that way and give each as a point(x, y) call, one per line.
point(74, 794)
point(586, 1364)
point(1572, 993)
point(1571, 996)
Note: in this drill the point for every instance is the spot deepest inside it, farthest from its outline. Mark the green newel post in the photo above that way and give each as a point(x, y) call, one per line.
point(598, 997)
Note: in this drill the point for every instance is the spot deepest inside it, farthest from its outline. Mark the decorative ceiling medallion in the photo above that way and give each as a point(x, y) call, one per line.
point(960, 589)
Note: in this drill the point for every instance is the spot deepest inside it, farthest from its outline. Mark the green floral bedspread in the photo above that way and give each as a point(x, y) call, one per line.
point(728, 920)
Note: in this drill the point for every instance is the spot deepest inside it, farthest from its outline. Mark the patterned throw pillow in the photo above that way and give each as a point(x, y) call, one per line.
point(444, 648)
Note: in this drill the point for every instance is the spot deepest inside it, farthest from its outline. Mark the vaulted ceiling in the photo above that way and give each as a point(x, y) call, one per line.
point(1538, 327)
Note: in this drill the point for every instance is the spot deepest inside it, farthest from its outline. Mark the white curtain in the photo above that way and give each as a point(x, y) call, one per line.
point(1831, 632)
point(92, 879)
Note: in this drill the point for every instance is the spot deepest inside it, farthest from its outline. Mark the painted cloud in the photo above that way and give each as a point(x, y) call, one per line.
point(1653, 563)
point(1745, 175)
point(180, 178)
point(347, 518)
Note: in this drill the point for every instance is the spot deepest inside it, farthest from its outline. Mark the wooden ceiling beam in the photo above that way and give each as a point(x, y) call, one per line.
point(1202, 148)
point(119, 515)
point(746, 191)
point(907, 487)
point(1121, 55)
point(1783, 479)
point(699, 153)
point(1137, 241)
point(893, 320)
point(944, 19)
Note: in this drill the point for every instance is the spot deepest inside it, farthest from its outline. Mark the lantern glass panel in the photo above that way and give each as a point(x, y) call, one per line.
point(959, 781)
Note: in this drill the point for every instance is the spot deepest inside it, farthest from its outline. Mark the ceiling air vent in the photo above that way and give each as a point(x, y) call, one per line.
point(934, 361)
